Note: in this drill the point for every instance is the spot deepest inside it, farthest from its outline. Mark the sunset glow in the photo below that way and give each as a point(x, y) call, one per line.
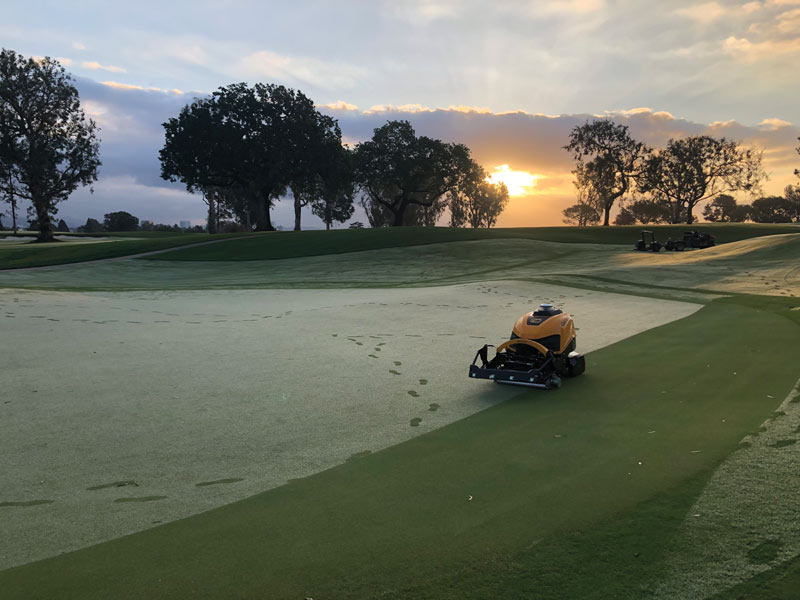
point(519, 183)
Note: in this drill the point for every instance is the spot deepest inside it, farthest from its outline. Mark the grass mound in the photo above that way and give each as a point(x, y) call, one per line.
point(312, 243)
point(40, 255)
point(480, 508)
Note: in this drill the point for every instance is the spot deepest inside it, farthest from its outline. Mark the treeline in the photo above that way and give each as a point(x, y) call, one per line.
point(722, 209)
point(666, 185)
point(243, 149)
point(246, 147)
point(121, 221)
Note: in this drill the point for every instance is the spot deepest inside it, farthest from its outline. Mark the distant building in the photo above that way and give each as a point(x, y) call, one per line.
point(185, 224)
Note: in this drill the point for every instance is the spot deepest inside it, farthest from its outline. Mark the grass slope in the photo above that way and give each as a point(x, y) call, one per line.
point(312, 243)
point(573, 476)
point(40, 255)
point(780, 583)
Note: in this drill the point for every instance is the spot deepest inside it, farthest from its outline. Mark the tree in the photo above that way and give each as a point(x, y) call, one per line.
point(486, 203)
point(792, 193)
point(48, 148)
point(91, 226)
point(607, 162)
point(698, 168)
point(9, 197)
point(62, 226)
point(772, 209)
point(625, 217)
point(647, 211)
point(120, 221)
point(581, 214)
point(724, 209)
point(464, 191)
point(396, 170)
point(334, 201)
point(317, 154)
point(797, 171)
point(241, 138)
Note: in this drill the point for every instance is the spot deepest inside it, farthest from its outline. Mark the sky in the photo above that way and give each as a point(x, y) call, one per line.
point(509, 79)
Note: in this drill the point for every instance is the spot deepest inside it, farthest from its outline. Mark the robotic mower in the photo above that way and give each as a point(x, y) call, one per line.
point(539, 354)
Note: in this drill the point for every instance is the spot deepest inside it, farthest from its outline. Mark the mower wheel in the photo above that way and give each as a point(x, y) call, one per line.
point(554, 382)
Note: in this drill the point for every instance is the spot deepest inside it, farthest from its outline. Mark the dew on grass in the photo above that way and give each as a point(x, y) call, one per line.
point(357, 455)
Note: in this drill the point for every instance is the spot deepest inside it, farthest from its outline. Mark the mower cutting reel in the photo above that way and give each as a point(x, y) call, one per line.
point(540, 353)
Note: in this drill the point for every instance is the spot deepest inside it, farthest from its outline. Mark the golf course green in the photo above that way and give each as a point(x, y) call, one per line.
point(610, 487)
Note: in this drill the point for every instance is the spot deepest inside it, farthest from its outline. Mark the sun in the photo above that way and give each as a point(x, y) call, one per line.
point(519, 183)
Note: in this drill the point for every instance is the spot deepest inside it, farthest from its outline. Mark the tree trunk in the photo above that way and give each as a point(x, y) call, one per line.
point(212, 214)
point(689, 217)
point(45, 225)
point(14, 215)
point(297, 208)
point(606, 215)
point(676, 212)
point(398, 214)
point(263, 222)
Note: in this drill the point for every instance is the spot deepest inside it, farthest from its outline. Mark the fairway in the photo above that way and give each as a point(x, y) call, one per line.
point(304, 426)
point(223, 393)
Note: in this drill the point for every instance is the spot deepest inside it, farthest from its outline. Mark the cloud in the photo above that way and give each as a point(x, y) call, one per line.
point(773, 124)
point(568, 7)
point(90, 64)
point(323, 74)
point(703, 13)
point(131, 135)
point(423, 12)
point(747, 51)
point(130, 86)
point(338, 105)
point(64, 61)
point(78, 46)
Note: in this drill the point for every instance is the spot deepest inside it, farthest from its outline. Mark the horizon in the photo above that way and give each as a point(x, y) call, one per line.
point(531, 73)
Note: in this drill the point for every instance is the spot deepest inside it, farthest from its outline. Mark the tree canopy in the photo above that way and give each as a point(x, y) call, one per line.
point(91, 226)
point(48, 148)
point(581, 214)
point(607, 162)
point(254, 141)
point(398, 171)
point(724, 209)
point(774, 209)
point(120, 221)
point(697, 168)
point(333, 202)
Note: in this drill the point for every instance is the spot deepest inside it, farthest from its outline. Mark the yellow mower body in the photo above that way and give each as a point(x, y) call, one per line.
point(556, 332)
point(540, 352)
